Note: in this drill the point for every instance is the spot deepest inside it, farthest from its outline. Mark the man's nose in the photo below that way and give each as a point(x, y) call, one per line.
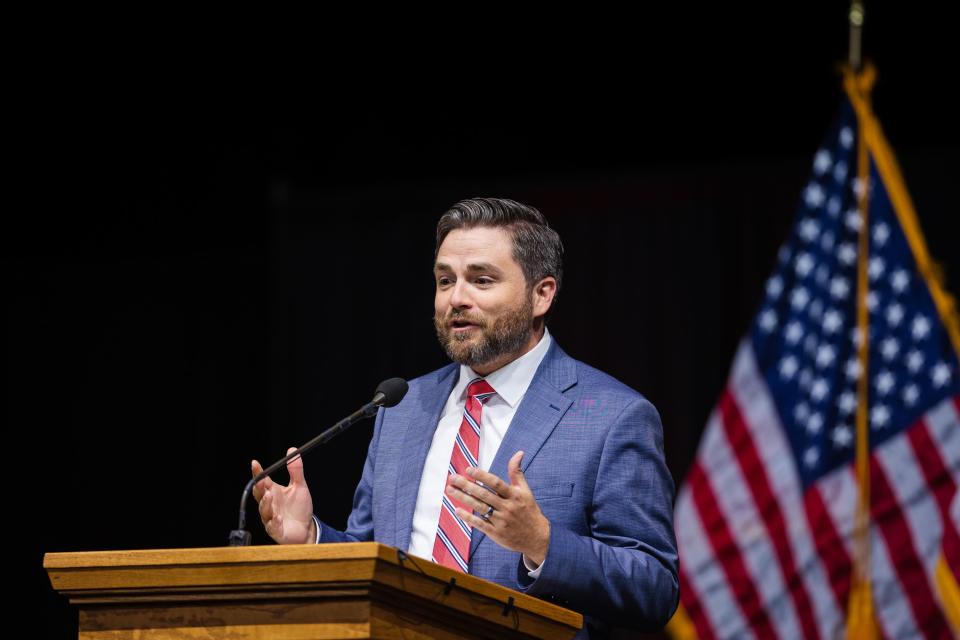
point(460, 296)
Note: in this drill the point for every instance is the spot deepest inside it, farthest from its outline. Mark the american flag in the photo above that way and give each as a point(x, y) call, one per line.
point(765, 517)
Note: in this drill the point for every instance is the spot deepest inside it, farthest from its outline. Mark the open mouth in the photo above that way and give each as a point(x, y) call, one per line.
point(462, 325)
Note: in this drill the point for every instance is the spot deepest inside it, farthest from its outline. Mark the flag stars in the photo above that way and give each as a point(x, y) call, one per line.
point(847, 254)
point(805, 379)
point(825, 356)
point(839, 287)
point(900, 280)
point(889, 348)
point(842, 436)
point(940, 375)
point(832, 321)
point(840, 171)
point(847, 403)
point(853, 369)
point(768, 320)
point(846, 137)
point(819, 390)
point(910, 394)
point(875, 268)
point(801, 412)
point(920, 328)
point(794, 332)
point(873, 300)
point(853, 220)
point(881, 233)
point(774, 286)
point(813, 195)
point(822, 162)
point(799, 298)
point(788, 367)
point(885, 382)
point(879, 416)
point(814, 424)
point(809, 229)
point(914, 361)
point(810, 457)
point(894, 314)
point(804, 265)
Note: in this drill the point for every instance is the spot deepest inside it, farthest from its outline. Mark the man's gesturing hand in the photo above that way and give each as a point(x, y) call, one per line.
point(286, 511)
point(508, 513)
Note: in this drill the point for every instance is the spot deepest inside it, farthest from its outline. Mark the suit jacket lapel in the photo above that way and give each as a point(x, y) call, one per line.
point(421, 423)
point(538, 414)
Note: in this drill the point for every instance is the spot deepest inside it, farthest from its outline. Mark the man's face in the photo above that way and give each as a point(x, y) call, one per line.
point(483, 308)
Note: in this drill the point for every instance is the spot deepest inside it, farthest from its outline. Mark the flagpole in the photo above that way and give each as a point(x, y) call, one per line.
point(856, 17)
point(861, 623)
point(861, 620)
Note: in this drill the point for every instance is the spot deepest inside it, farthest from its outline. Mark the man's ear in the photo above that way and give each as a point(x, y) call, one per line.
point(542, 295)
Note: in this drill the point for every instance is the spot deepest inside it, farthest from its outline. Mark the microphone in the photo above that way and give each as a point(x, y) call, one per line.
point(389, 393)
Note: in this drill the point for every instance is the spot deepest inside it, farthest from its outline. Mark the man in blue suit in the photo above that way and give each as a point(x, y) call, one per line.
point(536, 471)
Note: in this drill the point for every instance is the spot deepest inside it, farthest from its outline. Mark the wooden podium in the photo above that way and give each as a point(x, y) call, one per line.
point(356, 590)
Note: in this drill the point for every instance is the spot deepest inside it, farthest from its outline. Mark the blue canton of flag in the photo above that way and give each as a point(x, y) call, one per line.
point(806, 335)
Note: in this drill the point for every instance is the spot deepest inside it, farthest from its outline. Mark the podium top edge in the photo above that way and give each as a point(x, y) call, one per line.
point(219, 555)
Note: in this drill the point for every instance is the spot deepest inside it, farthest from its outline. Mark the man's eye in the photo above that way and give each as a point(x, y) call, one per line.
point(484, 281)
point(442, 282)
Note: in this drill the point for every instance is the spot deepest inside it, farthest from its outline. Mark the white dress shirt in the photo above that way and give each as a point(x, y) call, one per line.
point(510, 383)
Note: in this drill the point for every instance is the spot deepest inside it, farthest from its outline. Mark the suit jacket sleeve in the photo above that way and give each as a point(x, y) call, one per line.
point(360, 523)
point(625, 571)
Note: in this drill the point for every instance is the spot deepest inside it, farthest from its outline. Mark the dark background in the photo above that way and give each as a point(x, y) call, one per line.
point(212, 256)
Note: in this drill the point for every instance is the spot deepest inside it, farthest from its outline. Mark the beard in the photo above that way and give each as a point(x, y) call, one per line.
point(508, 334)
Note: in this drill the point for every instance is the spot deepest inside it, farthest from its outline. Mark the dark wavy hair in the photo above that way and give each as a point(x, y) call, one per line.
point(536, 247)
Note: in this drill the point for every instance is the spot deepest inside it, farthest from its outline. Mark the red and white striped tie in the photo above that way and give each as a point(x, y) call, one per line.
point(452, 546)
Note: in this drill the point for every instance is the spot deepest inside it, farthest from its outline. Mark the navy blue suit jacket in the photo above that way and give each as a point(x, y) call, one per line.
point(593, 456)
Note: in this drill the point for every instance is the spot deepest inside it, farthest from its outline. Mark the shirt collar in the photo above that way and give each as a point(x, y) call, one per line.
point(511, 380)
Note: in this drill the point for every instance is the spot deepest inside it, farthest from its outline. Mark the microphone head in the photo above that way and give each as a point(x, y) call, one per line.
point(390, 392)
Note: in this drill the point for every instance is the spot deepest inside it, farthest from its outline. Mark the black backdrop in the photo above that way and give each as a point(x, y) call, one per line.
point(204, 270)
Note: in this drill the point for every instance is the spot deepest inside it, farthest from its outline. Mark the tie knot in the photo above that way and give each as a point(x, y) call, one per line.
point(480, 389)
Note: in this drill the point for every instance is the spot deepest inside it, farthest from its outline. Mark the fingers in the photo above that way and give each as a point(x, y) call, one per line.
point(265, 507)
point(481, 493)
point(295, 469)
point(491, 481)
point(467, 500)
point(264, 485)
point(515, 473)
point(476, 498)
point(475, 522)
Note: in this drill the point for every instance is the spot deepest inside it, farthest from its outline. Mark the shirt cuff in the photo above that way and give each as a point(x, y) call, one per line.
point(316, 522)
point(533, 572)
